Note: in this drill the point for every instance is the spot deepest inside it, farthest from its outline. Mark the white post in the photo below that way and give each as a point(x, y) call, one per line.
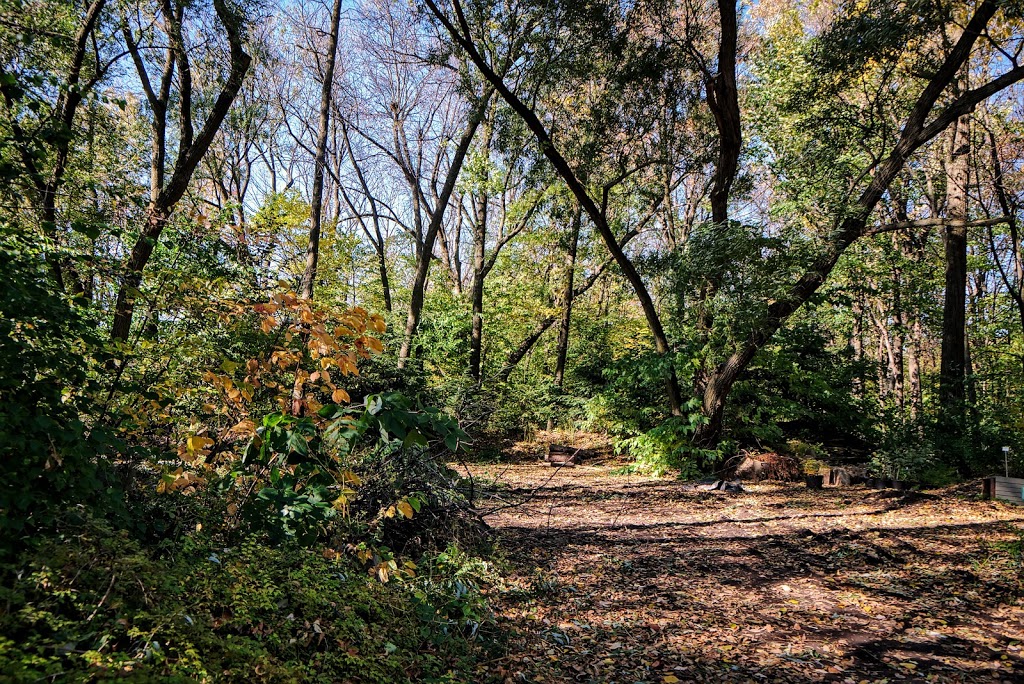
point(1006, 460)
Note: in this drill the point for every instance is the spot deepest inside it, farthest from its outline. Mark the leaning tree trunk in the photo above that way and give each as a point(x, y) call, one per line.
point(419, 283)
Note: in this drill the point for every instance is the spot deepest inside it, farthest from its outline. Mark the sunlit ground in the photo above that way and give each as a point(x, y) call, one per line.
point(620, 578)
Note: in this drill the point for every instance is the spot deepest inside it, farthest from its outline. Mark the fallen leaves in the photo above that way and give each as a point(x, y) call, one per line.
point(647, 580)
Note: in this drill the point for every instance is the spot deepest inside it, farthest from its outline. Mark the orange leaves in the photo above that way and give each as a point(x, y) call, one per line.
point(308, 349)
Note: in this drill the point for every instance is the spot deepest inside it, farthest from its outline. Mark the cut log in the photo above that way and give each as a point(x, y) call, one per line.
point(757, 466)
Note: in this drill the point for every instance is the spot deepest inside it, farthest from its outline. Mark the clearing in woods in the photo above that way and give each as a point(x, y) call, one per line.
point(622, 578)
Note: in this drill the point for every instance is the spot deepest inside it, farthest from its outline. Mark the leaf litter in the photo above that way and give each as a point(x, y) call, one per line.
point(625, 578)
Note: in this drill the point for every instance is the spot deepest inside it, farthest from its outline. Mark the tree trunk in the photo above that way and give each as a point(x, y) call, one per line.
point(857, 343)
point(562, 348)
point(914, 370)
point(476, 334)
point(723, 100)
point(952, 365)
point(426, 251)
point(320, 159)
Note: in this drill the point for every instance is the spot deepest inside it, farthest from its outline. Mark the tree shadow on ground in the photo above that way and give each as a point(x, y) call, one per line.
point(643, 600)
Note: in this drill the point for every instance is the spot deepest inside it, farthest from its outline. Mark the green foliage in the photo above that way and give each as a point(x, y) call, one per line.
point(911, 460)
point(50, 457)
point(447, 594)
point(296, 474)
point(669, 447)
point(801, 387)
point(94, 605)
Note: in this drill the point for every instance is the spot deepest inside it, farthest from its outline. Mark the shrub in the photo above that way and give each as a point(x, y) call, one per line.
point(95, 604)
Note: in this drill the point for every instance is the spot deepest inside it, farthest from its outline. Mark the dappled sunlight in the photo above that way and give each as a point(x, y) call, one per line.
point(629, 578)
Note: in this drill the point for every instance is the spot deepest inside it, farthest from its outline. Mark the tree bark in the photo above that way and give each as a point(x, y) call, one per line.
point(562, 347)
point(320, 157)
point(426, 251)
point(952, 364)
point(723, 100)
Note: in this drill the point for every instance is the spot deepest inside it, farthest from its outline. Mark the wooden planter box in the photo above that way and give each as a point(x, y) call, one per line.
point(1005, 489)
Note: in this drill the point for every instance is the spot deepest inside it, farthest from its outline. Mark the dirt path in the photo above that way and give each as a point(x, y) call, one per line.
point(627, 579)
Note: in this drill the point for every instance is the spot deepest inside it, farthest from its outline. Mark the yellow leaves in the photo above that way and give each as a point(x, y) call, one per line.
point(374, 344)
point(340, 396)
point(179, 479)
point(197, 445)
point(670, 679)
point(404, 508)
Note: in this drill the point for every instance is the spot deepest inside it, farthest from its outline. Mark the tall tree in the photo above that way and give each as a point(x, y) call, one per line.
point(165, 192)
point(952, 379)
point(320, 152)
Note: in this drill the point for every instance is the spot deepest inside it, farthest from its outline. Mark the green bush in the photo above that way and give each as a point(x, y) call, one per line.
point(669, 447)
point(96, 605)
point(50, 458)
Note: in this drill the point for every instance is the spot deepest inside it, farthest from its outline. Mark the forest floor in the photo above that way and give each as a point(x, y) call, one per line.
point(623, 578)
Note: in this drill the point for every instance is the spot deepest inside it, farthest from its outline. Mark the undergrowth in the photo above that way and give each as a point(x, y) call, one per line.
point(94, 604)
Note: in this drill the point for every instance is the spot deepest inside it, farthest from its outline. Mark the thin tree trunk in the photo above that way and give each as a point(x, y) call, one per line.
point(914, 370)
point(857, 342)
point(476, 335)
point(562, 348)
point(426, 251)
point(320, 159)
